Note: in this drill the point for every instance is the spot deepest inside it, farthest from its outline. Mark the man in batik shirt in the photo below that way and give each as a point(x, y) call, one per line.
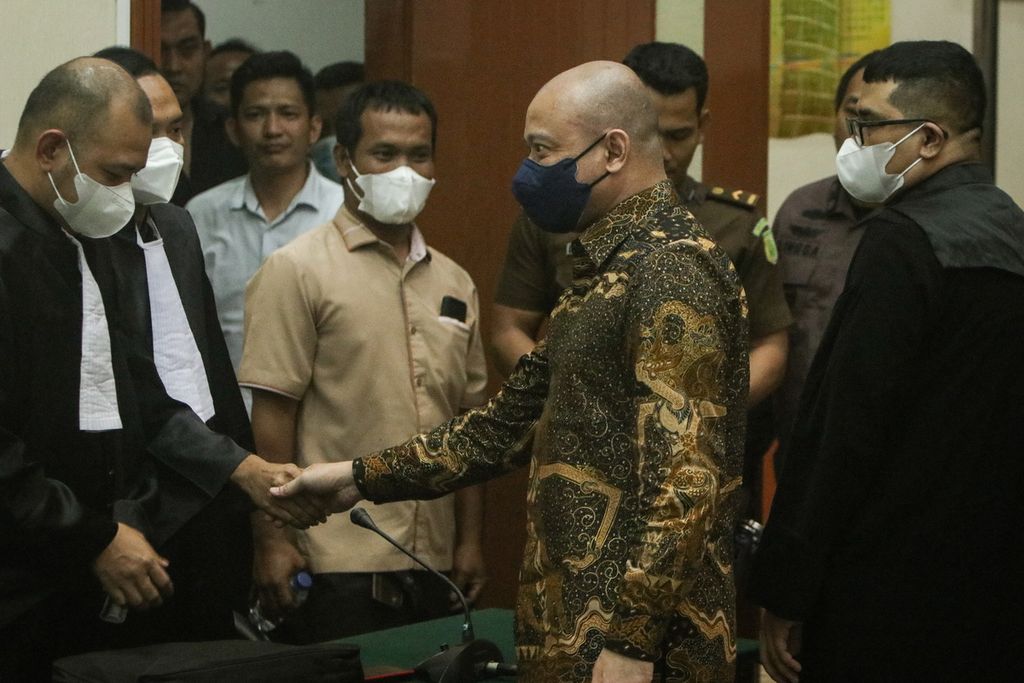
point(635, 402)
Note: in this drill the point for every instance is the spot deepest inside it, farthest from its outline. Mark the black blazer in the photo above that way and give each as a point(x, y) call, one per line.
point(62, 490)
point(185, 256)
point(196, 458)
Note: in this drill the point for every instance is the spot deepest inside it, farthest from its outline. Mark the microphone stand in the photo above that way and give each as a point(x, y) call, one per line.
point(471, 660)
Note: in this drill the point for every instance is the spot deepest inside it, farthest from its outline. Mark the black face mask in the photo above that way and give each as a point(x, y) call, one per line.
point(550, 195)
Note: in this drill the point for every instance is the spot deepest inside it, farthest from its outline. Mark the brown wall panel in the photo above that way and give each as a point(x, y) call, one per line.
point(736, 49)
point(738, 53)
point(481, 62)
point(145, 28)
point(388, 24)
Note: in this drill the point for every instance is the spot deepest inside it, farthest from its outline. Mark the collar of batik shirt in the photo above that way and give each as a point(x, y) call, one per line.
point(626, 218)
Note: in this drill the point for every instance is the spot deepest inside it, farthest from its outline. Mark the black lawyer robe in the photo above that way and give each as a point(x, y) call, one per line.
point(185, 256)
point(211, 554)
point(895, 533)
point(62, 489)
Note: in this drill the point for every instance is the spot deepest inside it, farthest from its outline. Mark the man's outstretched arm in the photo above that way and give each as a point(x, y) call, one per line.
point(513, 335)
point(767, 365)
point(468, 449)
point(275, 557)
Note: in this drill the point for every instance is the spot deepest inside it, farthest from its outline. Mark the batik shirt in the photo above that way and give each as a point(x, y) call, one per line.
point(635, 403)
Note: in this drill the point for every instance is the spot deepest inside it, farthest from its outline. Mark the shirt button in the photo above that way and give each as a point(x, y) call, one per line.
point(419, 381)
point(412, 330)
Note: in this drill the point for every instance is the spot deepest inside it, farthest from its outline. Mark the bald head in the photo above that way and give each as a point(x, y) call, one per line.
point(78, 97)
point(599, 96)
point(86, 116)
point(600, 115)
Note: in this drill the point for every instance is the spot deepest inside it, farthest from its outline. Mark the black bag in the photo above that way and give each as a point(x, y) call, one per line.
point(215, 662)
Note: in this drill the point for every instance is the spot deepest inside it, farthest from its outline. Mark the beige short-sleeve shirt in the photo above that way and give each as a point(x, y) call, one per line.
point(334, 321)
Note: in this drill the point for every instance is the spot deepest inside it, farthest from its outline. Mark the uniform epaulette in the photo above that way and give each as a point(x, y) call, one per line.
point(746, 200)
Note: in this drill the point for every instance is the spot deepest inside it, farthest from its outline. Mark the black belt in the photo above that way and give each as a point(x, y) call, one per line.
point(398, 589)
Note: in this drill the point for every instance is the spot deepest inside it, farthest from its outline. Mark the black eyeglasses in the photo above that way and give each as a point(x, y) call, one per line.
point(856, 127)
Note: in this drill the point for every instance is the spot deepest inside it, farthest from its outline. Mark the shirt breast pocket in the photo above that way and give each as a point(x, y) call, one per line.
point(455, 326)
point(449, 348)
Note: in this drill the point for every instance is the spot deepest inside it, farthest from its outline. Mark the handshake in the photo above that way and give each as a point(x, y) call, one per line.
point(297, 497)
point(133, 574)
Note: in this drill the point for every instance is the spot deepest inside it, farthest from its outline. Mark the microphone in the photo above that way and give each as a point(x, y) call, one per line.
point(491, 669)
point(460, 664)
point(360, 517)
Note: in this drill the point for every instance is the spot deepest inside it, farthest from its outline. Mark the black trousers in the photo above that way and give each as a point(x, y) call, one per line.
point(346, 604)
point(759, 437)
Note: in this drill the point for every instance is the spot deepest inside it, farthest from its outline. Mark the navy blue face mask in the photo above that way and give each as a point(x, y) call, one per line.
point(550, 195)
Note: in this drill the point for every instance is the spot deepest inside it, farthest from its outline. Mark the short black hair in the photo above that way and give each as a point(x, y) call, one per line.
point(129, 59)
point(381, 96)
point(263, 66)
point(935, 79)
point(339, 74)
point(844, 80)
point(233, 45)
point(670, 68)
point(76, 97)
point(181, 6)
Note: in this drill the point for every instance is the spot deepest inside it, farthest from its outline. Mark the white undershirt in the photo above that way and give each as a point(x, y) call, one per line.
point(97, 391)
point(175, 353)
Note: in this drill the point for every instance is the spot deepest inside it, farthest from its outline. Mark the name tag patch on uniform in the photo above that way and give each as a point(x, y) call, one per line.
point(764, 230)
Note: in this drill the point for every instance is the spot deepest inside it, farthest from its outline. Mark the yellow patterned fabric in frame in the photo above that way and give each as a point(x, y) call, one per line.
point(812, 43)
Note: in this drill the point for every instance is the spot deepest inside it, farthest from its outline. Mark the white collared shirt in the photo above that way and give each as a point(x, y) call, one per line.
point(237, 237)
point(175, 353)
point(97, 389)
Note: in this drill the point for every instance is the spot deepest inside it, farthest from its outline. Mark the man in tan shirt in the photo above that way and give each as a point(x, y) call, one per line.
point(357, 335)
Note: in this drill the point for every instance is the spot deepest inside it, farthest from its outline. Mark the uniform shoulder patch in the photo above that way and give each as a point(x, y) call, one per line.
point(746, 200)
point(763, 229)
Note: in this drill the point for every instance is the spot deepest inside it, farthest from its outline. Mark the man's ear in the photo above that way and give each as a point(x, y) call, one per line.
point(315, 125)
point(934, 140)
point(342, 161)
point(702, 122)
point(51, 150)
point(617, 146)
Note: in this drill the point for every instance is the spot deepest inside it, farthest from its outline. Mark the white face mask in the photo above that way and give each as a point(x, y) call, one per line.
point(100, 210)
point(395, 197)
point(862, 169)
point(155, 184)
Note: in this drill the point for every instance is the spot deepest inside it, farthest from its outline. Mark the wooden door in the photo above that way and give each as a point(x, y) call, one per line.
point(481, 62)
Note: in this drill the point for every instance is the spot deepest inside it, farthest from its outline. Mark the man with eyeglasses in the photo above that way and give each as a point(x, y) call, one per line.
point(891, 551)
point(817, 229)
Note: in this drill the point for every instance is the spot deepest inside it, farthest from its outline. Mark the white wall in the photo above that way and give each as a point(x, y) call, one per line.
point(1009, 132)
point(682, 21)
point(794, 162)
point(933, 20)
point(320, 32)
point(38, 35)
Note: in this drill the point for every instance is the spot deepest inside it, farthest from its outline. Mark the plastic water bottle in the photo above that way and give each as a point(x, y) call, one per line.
point(113, 613)
point(300, 584)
